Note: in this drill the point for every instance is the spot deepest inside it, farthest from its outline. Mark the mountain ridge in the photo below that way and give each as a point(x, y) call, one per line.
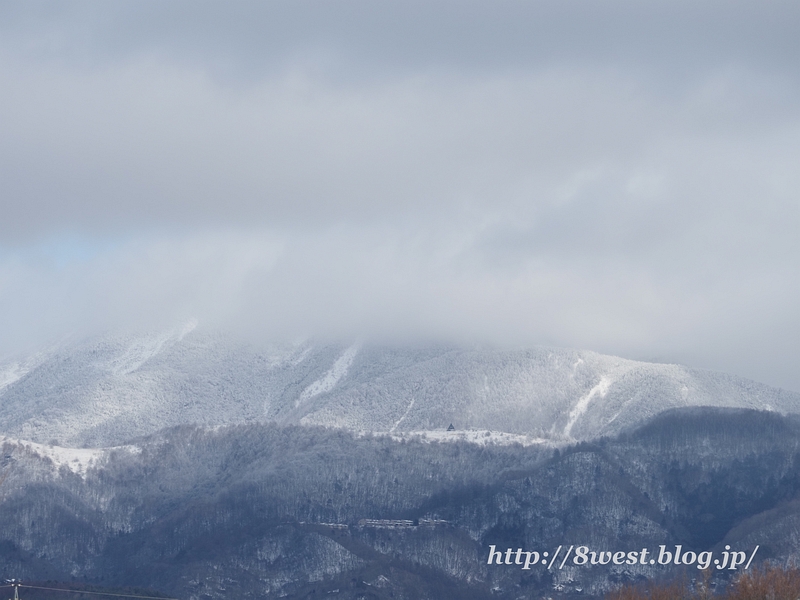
point(106, 390)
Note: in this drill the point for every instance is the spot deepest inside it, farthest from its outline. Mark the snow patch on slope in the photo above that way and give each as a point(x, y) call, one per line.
point(77, 460)
point(332, 377)
point(145, 348)
point(11, 374)
point(405, 414)
point(481, 437)
point(601, 389)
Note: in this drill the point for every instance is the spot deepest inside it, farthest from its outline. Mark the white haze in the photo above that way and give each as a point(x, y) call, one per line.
point(616, 178)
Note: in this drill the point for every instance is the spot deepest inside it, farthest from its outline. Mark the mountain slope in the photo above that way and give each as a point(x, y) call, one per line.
point(266, 511)
point(104, 391)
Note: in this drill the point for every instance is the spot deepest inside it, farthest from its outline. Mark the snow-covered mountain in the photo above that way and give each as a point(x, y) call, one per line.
point(105, 391)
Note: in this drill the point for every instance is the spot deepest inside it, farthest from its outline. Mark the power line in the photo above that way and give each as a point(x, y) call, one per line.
point(38, 587)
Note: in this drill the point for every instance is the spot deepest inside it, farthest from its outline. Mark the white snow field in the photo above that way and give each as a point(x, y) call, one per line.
point(105, 391)
point(77, 460)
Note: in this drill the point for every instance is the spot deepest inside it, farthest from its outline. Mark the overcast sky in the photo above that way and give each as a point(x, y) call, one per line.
point(612, 175)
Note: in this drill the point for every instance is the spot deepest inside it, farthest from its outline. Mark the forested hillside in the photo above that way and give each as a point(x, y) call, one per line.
point(264, 509)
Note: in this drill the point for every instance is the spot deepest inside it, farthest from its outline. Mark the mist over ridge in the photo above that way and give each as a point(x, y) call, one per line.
point(608, 176)
point(309, 299)
point(106, 390)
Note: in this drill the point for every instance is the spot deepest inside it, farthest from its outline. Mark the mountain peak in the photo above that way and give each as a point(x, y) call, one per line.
point(106, 390)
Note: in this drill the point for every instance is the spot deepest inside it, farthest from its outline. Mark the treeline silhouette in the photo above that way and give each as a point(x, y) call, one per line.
point(769, 582)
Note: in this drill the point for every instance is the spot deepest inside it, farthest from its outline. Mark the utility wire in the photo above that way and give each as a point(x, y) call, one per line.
point(37, 587)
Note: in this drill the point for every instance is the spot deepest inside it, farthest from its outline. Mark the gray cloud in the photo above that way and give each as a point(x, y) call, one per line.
point(609, 175)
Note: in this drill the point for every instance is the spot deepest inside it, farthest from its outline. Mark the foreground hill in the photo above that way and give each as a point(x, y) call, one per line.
point(104, 391)
point(299, 512)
